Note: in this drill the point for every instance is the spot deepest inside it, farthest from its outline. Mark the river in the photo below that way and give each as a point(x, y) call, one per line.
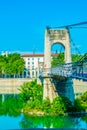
point(11, 120)
point(24, 121)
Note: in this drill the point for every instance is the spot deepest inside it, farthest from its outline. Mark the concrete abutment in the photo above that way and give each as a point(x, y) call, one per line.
point(54, 88)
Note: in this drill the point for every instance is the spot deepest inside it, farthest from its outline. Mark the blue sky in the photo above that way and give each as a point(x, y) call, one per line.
point(23, 23)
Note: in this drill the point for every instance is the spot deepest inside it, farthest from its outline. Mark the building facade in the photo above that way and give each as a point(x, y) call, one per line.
point(34, 63)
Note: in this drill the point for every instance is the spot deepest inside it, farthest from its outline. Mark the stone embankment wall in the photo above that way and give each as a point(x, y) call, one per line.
point(10, 86)
point(79, 86)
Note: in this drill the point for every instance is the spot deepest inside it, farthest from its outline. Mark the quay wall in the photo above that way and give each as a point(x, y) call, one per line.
point(79, 86)
point(10, 86)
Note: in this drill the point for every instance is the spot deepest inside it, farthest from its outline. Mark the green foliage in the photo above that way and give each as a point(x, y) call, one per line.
point(78, 105)
point(46, 106)
point(84, 118)
point(81, 102)
point(30, 100)
point(15, 64)
point(48, 122)
point(58, 106)
point(3, 61)
point(31, 94)
point(11, 106)
point(84, 98)
point(11, 64)
point(59, 59)
point(33, 106)
point(38, 104)
point(61, 105)
point(31, 91)
point(76, 57)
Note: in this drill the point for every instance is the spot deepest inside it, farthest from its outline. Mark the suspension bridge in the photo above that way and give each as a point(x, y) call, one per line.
point(59, 80)
point(76, 70)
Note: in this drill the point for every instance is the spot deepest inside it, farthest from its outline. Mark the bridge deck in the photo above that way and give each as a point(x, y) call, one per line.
point(76, 70)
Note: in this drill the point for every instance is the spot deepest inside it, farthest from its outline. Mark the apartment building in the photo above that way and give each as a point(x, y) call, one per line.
point(33, 64)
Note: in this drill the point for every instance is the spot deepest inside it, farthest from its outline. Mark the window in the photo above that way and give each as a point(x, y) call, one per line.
point(28, 63)
point(28, 74)
point(32, 73)
point(32, 67)
point(32, 63)
point(32, 58)
point(28, 58)
point(28, 67)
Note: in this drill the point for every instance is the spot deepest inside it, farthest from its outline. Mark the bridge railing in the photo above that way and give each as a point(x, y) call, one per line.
point(45, 72)
point(61, 70)
point(79, 69)
point(75, 69)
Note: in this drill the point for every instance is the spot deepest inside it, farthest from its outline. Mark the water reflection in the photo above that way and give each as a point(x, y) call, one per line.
point(52, 122)
point(13, 119)
point(47, 122)
point(3, 97)
point(10, 105)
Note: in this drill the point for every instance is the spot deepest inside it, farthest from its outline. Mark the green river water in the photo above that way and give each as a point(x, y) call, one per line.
point(24, 121)
point(21, 121)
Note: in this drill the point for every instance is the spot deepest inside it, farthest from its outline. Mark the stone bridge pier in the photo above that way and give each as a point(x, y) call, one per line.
point(55, 87)
point(49, 89)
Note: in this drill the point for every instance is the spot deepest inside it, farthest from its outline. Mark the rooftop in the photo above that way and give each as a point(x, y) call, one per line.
point(36, 55)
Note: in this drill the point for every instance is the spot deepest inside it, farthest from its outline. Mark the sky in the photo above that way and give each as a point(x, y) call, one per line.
point(23, 23)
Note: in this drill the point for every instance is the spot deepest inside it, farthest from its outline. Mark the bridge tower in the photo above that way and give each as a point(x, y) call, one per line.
point(53, 36)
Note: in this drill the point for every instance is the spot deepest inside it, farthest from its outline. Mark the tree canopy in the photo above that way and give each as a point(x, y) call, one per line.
point(11, 64)
point(59, 59)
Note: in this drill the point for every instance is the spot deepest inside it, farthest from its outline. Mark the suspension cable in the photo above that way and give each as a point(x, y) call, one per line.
point(71, 41)
point(75, 47)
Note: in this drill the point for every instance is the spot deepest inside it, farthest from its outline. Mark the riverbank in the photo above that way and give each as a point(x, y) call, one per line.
point(39, 113)
point(77, 114)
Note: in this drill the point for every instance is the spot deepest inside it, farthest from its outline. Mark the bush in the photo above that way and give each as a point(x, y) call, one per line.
point(84, 100)
point(46, 106)
point(58, 106)
point(78, 105)
point(81, 102)
point(36, 104)
point(31, 91)
point(61, 105)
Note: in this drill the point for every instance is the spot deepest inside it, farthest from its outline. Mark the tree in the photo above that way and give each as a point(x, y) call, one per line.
point(59, 59)
point(15, 64)
point(31, 91)
point(3, 61)
point(12, 64)
point(76, 57)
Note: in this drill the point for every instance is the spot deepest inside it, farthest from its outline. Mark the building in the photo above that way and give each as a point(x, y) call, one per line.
point(33, 64)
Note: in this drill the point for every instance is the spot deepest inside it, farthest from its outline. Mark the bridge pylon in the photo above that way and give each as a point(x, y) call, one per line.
point(54, 36)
